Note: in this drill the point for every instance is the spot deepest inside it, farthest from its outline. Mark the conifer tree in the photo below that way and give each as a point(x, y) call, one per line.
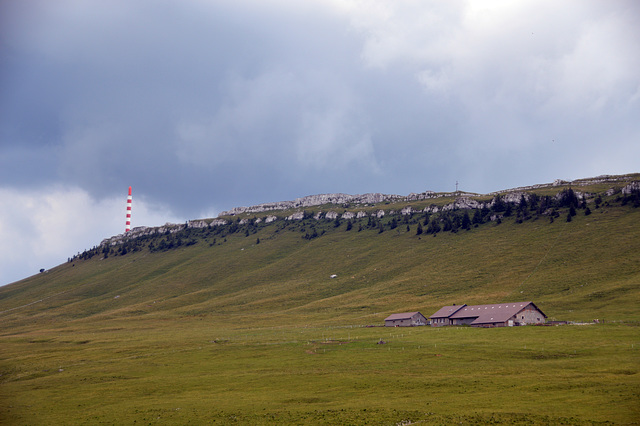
point(477, 217)
point(466, 221)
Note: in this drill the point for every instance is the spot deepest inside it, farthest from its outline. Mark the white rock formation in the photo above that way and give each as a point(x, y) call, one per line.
point(296, 216)
point(407, 211)
point(331, 215)
point(633, 186)
point(197, 224)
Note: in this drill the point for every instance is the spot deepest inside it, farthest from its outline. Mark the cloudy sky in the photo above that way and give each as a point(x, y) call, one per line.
point(205, 105)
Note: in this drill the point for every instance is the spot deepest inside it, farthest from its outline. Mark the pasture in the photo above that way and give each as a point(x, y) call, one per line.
point(225, 370)
point(243, 324)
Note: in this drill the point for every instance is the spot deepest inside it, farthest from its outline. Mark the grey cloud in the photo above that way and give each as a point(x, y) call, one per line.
point(249, 102)
point(203, 106)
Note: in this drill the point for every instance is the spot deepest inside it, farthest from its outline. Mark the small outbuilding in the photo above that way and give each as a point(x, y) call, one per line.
point(407, 319)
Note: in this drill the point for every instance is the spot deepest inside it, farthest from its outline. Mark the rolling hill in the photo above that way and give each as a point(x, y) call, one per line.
point(571, 247)
point(267, 315)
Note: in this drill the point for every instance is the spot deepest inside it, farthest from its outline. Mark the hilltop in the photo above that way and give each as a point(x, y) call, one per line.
point(376, 198)
point(572, 247)
point(360, 206)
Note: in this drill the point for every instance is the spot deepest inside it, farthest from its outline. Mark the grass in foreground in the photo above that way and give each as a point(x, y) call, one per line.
point(222, 371)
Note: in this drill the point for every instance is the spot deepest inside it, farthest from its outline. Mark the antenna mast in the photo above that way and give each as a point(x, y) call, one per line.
point(128, 227)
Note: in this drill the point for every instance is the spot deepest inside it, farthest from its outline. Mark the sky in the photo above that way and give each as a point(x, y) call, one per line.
point(206, 105)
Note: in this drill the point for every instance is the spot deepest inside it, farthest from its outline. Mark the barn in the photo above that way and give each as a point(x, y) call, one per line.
point(442, 317)
point(407, 319)
point(497, 315)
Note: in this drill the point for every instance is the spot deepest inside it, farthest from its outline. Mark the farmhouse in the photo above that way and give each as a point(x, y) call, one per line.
point(408, 319)
point(499, 315)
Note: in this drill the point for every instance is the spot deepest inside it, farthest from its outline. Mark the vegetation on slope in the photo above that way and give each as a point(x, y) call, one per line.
point(242, 323)
point(193, 371)
point(576, 257)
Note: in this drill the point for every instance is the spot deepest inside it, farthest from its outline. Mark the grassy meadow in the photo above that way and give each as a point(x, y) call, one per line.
point(217, 370)
point(244, 324)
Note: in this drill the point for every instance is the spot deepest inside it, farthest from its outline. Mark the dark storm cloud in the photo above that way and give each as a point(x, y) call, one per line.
point(202, 106)
point(182, 96)
point(251, 101)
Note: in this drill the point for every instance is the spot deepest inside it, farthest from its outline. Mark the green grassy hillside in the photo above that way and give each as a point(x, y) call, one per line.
point(579, 270)
point(243, 323)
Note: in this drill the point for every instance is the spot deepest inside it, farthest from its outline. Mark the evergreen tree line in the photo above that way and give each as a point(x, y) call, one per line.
point(530, 208)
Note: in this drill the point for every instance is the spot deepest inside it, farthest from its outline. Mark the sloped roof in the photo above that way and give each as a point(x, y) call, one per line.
point(486, 314)
point(447, 311)
point(406, 315)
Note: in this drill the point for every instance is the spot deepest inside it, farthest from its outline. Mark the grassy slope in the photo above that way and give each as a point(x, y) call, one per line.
point(238, 331)
point(580, 270)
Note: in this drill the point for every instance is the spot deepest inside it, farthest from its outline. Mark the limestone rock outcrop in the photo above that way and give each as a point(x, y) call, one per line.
point(348, 207)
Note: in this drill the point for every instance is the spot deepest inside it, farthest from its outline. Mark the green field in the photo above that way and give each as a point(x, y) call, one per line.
point(210, 371)
point(243, 324)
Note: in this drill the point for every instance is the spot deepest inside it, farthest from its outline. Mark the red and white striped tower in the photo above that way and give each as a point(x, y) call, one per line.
point(128, 227)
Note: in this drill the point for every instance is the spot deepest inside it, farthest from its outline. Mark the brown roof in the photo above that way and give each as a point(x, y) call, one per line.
point(406, 315)
point(486, 314)
point(447, 311)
